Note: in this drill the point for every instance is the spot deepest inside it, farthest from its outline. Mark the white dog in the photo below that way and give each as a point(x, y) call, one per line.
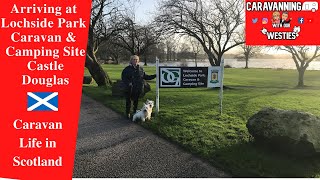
point(145, 112)
point(150, 104)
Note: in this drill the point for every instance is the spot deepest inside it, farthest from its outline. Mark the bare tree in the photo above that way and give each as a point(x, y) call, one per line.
point(196, 49)
point(184, 51)
point(213, 23)
point(247, 51)
point(159, 51)
point(171, 47)
point(137, 39)
point(96, 71)
point(108, 49)
point(106, 20)
point(302, 57)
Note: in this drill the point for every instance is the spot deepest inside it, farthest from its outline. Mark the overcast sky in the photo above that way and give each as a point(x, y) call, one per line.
point(144, 10)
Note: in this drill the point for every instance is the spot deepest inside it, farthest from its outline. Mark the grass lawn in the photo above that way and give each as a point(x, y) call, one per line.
point(190, 117)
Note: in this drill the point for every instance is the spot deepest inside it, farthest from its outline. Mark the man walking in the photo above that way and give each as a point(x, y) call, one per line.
point(133, 77)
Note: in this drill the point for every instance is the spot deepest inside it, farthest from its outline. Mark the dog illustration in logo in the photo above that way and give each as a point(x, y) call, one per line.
point(296, 29)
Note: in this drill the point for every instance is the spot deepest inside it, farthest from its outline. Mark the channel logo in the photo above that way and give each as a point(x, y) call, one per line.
point(282, 22)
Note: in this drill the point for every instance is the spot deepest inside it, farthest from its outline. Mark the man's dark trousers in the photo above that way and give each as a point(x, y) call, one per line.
point(132, 96)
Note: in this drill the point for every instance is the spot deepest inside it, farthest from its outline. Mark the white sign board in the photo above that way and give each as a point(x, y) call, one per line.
point(214, 76)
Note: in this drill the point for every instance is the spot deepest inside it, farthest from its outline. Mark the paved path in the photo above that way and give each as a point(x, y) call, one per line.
point(109, 146)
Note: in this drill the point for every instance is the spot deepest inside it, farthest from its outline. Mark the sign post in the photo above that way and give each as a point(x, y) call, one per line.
point(221, 85)
point(157, 85)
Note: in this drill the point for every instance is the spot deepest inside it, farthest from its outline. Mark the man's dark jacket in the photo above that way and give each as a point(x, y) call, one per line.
point(133, 77)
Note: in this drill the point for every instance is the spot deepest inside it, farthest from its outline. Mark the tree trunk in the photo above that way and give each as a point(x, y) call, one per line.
point(211, 60)
point(96, 71)
point(195, 59)
point(301, 77)
point(116, 60)
point(247, 63)
point(145, 60)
